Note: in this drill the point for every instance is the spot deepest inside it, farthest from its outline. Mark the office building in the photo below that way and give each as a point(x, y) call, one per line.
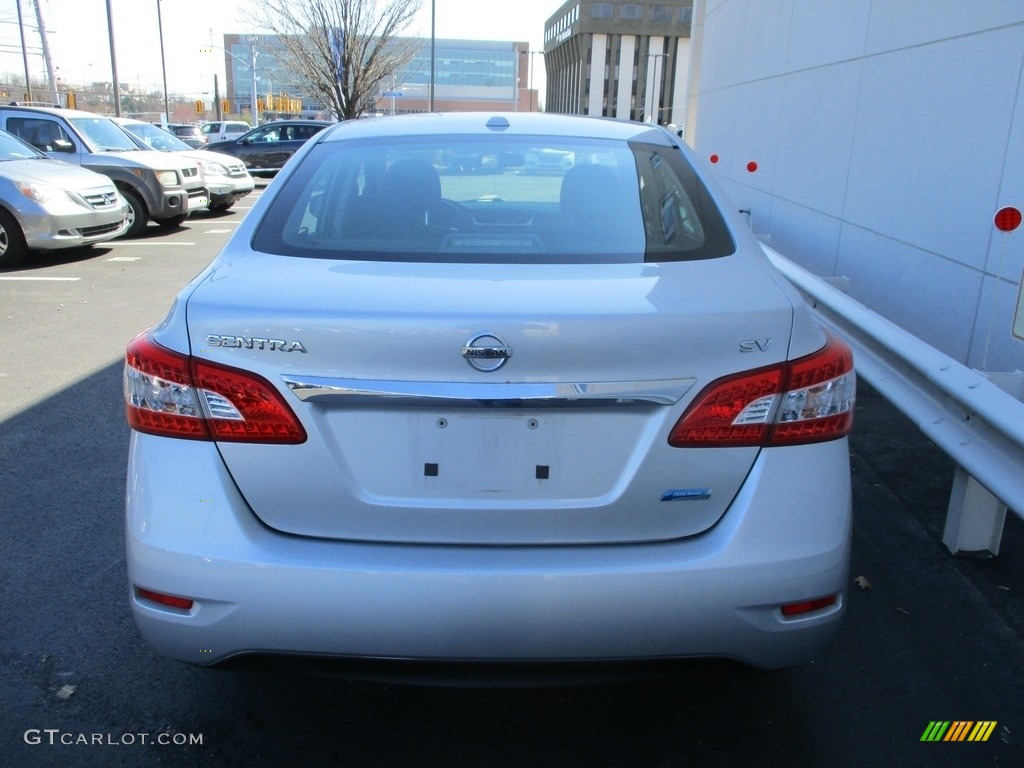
point(469, 75)
point(619, 59)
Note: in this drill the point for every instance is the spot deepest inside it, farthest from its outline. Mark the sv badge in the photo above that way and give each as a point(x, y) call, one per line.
point(755, 345)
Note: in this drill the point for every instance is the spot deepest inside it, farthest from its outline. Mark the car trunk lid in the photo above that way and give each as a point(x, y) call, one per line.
point(488, 404)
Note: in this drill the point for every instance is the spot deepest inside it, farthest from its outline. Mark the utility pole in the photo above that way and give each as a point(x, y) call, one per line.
point(163, 62)
point(113, 64)
point(47, 60)
point(24, 52)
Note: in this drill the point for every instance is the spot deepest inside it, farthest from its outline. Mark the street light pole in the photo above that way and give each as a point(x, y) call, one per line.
point(163, 62)
point(655, 113)
point(533, 99)
point(433, 8)
point(252, 68)
point(113, 64)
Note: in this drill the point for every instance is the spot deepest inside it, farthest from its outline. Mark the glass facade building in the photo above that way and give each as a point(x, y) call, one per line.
point(469, 75)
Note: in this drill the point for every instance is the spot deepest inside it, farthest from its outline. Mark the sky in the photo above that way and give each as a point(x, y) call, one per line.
point(78, 36)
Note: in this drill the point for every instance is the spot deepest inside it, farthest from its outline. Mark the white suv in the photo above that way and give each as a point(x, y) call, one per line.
point(223, 130)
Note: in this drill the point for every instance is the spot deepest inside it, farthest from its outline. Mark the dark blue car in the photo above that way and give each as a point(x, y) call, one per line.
point(266, 149)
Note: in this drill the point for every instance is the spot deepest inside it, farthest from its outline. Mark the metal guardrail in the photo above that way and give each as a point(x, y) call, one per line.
point(977, 423)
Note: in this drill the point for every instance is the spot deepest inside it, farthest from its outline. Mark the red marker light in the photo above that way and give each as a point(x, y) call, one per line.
point(158, 597)
point(808, 606)
point(1007, 219)
point(714, 158)
point(751, 166)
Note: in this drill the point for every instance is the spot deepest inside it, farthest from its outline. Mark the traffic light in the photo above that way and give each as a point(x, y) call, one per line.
point(225, 106)
point(199, 106)
point(72, 101)
point(259, 104)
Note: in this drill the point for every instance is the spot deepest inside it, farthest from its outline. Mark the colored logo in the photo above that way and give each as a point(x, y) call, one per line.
point(958, 730)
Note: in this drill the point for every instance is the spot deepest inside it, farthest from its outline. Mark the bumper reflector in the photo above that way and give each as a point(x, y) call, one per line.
point(169, 600)
point(807, 606)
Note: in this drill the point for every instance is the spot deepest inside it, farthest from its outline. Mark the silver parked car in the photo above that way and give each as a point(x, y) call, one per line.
point(227, 180)
point(157, 187)
point(418, 411)
point(46, 204)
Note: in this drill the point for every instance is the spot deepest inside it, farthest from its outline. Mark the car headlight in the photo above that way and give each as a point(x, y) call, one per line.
point(213, 167)
point(168, 178)
point(40, 193)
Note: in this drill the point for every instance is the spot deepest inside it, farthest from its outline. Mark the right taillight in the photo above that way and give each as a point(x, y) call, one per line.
point(800, 401)
point(175, 395)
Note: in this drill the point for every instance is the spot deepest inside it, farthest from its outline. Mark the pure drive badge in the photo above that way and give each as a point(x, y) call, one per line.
point(686, 494)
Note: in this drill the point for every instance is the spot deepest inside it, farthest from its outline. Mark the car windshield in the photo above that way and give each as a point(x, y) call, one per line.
point(494, 199)
point(155, 137)
point(12, 148)
point(103, 134)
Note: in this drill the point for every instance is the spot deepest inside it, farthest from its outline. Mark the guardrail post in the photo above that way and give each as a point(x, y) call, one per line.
point(975, 518)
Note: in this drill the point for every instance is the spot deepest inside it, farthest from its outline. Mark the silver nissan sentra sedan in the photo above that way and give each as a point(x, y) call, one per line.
point(429, 405)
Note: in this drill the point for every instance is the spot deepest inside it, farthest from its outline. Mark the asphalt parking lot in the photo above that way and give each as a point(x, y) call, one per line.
point(928, 637)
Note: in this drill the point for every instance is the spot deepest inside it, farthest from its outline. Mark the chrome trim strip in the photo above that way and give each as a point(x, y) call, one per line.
point(469, 394)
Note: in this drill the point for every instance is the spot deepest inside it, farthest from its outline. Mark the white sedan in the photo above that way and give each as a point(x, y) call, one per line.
point(420, 412)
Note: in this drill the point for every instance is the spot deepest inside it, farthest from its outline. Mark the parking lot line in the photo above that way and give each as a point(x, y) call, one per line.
point(68, 280)
point(137, 243)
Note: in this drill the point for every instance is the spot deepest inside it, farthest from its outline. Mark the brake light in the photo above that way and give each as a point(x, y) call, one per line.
point(801, 401)
point(175, 395)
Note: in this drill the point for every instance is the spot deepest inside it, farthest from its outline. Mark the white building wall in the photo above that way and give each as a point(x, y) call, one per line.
point(886, 134)
point(623, 98)
point(597, 75)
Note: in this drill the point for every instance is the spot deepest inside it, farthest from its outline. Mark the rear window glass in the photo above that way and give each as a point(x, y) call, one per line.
point(506, 199)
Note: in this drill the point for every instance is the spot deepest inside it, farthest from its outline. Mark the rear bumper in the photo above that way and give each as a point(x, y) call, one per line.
point(225, 190)
point(784, 539)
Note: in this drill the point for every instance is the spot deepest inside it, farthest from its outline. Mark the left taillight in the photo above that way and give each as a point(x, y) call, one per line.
point(174, 395)
point(800, 401)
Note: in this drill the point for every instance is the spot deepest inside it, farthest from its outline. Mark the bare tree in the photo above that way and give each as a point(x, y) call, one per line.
point(341, 52)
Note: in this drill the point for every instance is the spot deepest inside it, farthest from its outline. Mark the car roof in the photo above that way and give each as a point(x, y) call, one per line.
point(60, 111)
point(297, 122)
point(509, 123)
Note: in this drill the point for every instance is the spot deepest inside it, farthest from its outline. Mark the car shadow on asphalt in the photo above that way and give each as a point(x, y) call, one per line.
point(37, 260)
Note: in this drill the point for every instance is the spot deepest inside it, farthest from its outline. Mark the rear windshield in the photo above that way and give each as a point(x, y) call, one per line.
point(503, 199)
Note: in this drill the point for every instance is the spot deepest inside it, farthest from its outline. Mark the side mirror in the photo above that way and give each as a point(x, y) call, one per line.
point(62, 145)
